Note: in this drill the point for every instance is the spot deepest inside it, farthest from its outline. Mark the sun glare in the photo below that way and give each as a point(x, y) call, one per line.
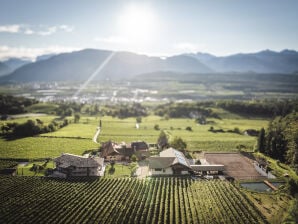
point(138, 23)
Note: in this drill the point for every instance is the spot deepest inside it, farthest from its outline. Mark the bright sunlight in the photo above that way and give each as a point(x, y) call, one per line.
point(138, 23)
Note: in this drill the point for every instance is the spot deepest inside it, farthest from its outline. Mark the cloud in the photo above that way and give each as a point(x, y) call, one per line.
point(48, 31)
point(112, 40)
point(189, 47)
point(66, 28)
point(31, 53)
point(10, 29)
point(40, 30)
point(54, 29)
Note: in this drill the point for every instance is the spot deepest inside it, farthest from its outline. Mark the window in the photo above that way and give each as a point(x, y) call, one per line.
point(157, 169)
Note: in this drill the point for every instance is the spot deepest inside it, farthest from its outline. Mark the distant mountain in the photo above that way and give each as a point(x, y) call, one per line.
point(44, 57)
point(80, 65)
point(4, 69)
point(15, 63)
point(266, 61)
point(202, 57)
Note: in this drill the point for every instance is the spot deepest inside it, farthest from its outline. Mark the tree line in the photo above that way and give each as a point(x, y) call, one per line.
point(264, 108)
point(31, 128)
point(280, 140)
point(190, 110)
point(14, 105)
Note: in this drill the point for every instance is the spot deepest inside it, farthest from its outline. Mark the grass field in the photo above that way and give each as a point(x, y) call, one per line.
point(77, 137)
point(120, 170)
point(39, 147)
point(123, 200)
point(199, 139)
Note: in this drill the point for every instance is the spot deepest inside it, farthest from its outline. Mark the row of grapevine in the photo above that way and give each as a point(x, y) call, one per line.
point(123, 200)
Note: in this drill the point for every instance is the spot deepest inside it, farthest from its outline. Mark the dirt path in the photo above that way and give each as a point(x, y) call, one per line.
point(96, 135)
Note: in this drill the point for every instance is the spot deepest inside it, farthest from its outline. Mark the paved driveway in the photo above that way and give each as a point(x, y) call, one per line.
point(142, 170)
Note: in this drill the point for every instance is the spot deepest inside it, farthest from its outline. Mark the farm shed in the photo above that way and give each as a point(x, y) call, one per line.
point(69, 165)
point(169, 162)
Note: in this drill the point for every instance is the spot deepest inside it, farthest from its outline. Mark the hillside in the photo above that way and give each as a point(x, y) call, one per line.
point(266, 61)
point(4, 69)
point(79, 65)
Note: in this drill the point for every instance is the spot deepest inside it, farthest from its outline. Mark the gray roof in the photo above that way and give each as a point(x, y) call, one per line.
point(66, 160)
point(160, 162)
point(168, 158)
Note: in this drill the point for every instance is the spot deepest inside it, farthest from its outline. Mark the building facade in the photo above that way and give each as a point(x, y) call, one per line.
point(69, 165)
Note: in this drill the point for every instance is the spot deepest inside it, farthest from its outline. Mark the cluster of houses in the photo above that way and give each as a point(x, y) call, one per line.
point(69, 165)
point(169, 161)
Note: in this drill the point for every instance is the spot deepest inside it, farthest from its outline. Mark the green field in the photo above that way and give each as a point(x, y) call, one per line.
point(39, 147)
point(77, 137)
point(120, 170)
point(199, 139)
point(123, 200)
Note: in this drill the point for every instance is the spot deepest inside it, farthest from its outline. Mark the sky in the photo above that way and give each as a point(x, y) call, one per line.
point(158, 27)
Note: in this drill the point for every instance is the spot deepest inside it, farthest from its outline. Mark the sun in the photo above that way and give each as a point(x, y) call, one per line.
point(138, 23)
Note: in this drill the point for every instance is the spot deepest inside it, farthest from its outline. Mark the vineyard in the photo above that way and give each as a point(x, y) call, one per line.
point(123, 200)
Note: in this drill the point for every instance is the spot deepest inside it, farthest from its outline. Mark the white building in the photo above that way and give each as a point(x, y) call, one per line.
point(169, 162)
point(69, 165)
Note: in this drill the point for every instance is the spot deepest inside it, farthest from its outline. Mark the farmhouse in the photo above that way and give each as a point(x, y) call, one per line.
point(122, 152)
point(169, 162)
point(69, 165)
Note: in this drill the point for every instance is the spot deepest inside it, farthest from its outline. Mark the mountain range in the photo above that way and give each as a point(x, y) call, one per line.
point(79, 65)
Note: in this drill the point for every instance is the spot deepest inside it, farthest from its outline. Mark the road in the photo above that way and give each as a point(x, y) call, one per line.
point(96, 135)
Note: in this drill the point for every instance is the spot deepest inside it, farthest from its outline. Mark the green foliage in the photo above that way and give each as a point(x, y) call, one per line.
point(282, 138)
point(163, 140)
point(159, 200)
point(188, 128)
point(139, 119)
point(179, 110)
point(31, 128)
point(7, 163)
point(178, 143)
point(156, 127)
point(14, 105)
point(77, 118)
point(125, 110)
point(133, 158)
point(261, 141)
point(269, 108)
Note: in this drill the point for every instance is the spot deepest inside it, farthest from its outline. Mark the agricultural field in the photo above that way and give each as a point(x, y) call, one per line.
point(40, 147)
point(123, 200)
point(77, 137)
point(198, 139)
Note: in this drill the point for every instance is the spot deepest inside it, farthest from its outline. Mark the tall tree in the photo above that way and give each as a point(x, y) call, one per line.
point(178, 143)
point(162, 140)
point(261, 141)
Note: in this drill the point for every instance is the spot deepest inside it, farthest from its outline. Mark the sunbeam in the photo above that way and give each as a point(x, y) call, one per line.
point(98, 70)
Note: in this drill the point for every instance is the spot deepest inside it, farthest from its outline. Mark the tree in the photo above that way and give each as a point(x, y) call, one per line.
point(133, 158)
point(156, 127)
point(178, 143)
point(139, 119)
point(162, 140)
point(261, 141)
point(188, 128)
point(77, 118)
